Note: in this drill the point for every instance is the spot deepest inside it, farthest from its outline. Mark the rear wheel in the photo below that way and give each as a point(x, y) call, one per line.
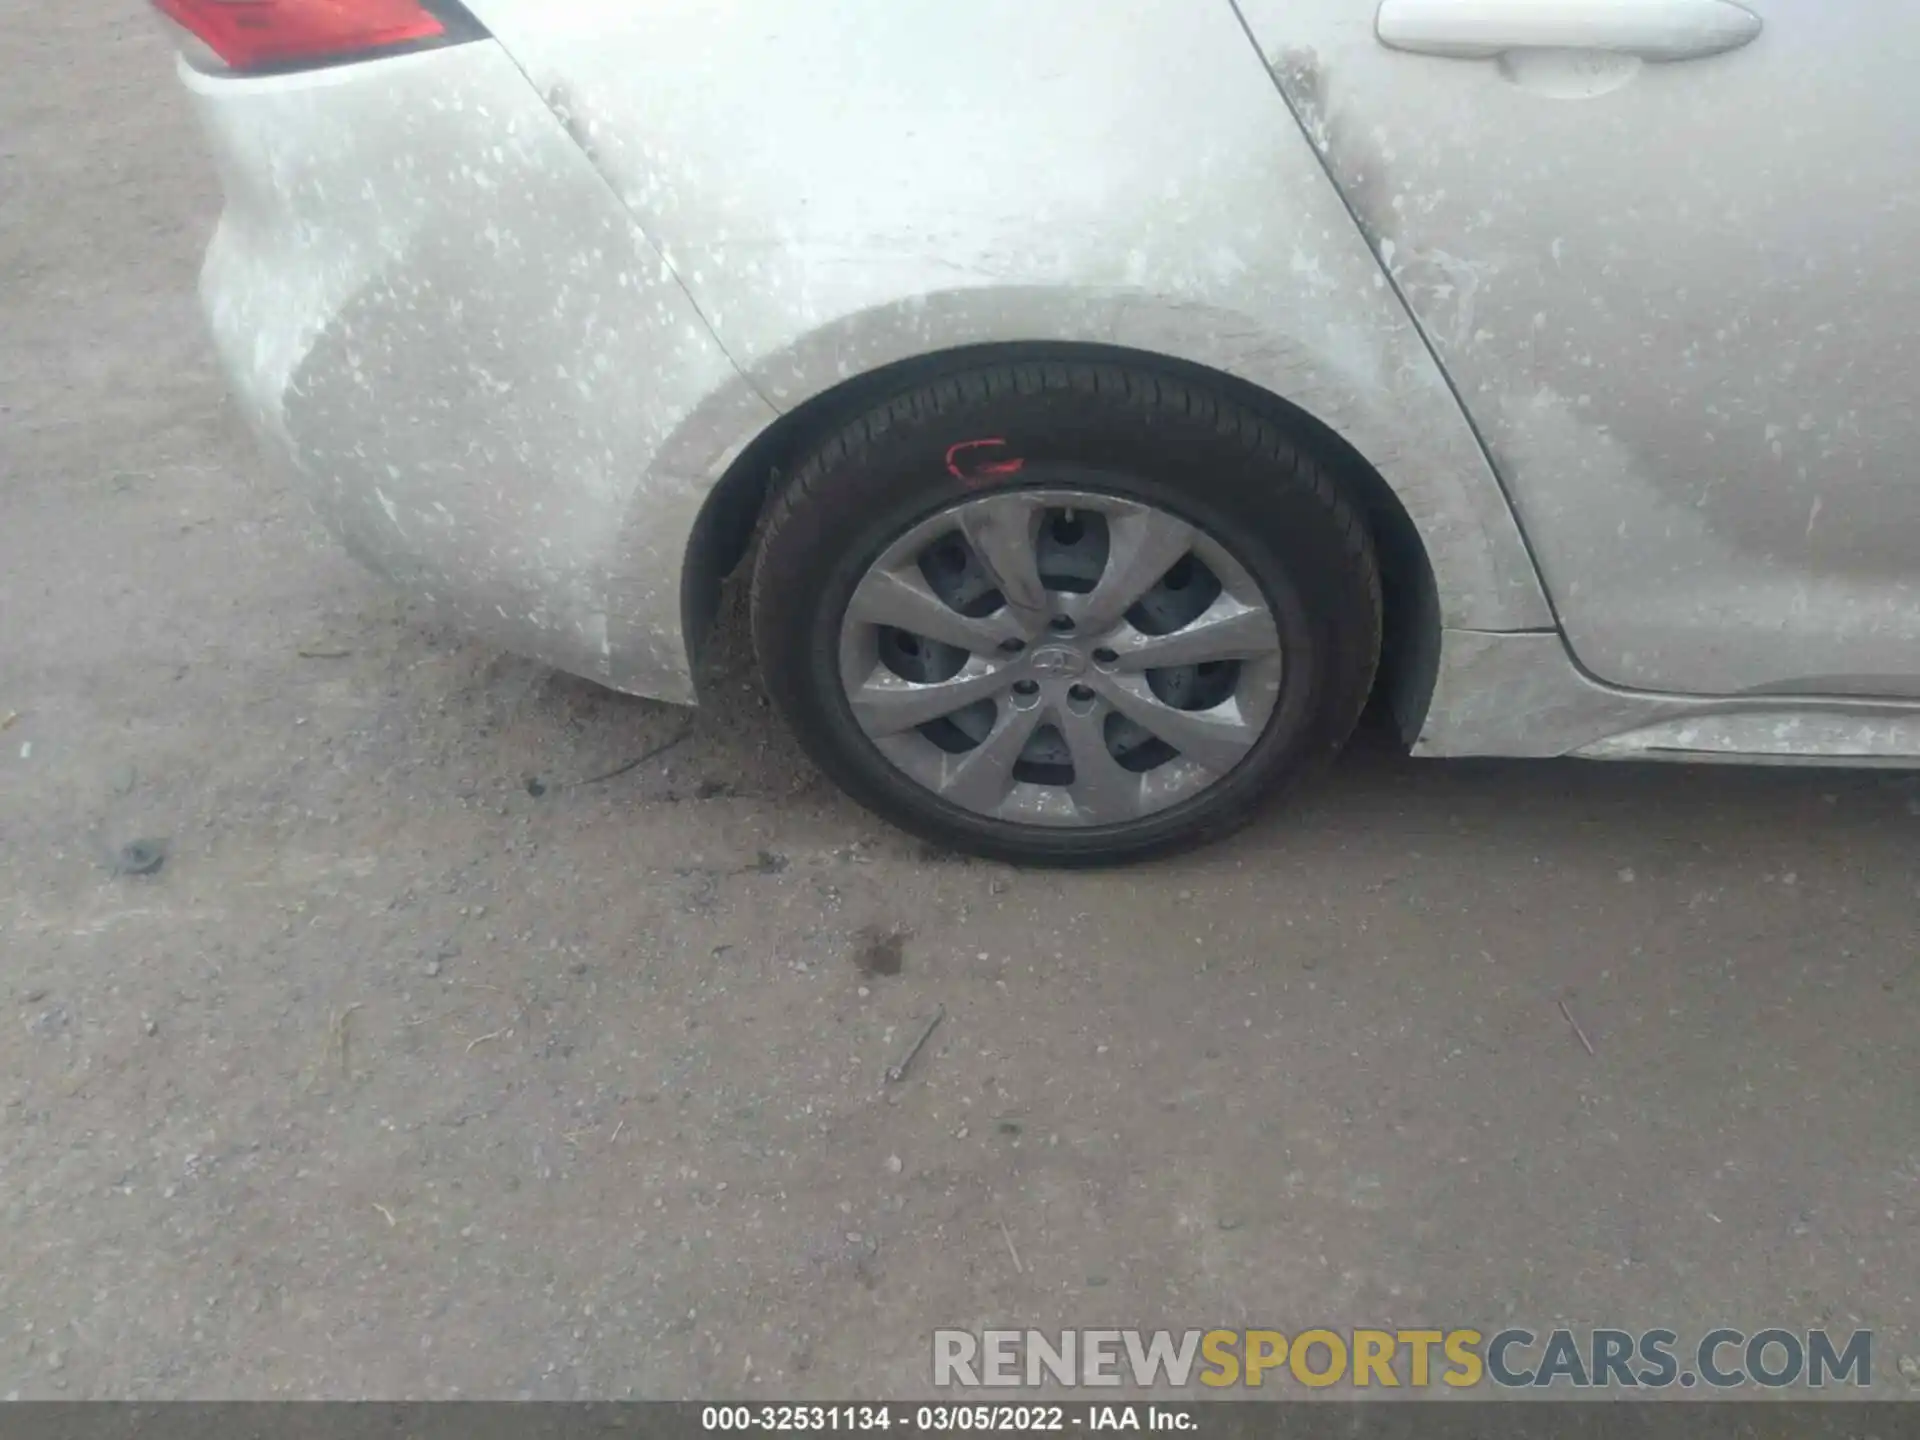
point(1062, 613)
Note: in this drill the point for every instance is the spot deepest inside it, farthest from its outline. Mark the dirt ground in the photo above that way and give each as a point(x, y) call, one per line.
point(399, 1079)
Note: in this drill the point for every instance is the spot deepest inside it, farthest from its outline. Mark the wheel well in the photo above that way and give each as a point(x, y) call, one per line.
point(723, 534)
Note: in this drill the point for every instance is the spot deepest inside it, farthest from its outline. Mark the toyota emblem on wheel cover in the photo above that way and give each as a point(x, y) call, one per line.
point(1057, 660)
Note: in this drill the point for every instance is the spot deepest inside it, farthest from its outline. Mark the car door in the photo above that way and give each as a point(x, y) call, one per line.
point(1667, 252)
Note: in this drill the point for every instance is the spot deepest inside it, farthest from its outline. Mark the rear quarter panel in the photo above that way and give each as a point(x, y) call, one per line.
point(433, 311)
point(848, 183)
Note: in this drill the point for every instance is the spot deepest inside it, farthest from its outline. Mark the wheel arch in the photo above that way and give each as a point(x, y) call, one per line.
point(724, 530)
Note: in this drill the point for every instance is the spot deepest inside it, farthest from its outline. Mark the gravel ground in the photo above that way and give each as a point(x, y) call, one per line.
point(398, 1079)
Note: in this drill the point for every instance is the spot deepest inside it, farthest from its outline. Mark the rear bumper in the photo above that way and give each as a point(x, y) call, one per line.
point(445, 328)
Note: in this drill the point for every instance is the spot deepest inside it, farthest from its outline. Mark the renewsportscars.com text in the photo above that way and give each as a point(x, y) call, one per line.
point(1601, 1359)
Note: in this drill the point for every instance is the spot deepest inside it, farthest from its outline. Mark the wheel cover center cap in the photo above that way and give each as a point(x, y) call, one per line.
point(1059, 661)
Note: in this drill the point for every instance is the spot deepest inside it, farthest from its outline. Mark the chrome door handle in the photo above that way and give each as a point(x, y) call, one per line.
point(1651, 29)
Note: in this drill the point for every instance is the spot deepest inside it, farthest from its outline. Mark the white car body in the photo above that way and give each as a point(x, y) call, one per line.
point(530, 318)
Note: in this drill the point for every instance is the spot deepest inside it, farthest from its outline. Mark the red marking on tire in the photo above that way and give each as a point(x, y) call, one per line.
point(983, 470)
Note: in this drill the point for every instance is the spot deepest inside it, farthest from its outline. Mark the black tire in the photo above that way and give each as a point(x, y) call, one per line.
point(1144, 435)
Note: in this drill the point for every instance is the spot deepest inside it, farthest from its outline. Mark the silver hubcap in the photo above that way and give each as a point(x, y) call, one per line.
point(1060, 657)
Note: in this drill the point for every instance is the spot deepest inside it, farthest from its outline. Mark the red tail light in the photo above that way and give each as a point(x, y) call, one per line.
point(289, 34)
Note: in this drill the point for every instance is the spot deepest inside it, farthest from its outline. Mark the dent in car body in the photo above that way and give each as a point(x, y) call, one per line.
point(479, 370)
